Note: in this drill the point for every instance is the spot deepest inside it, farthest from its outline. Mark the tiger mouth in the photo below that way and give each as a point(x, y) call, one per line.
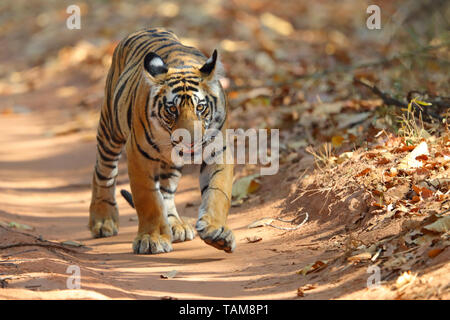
point(196, 149)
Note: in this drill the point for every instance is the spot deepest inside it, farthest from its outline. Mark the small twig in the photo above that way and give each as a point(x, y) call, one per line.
point(45, 245)
point(443, 103)
point(20, 252)
point(289, 221)
point(386, 98)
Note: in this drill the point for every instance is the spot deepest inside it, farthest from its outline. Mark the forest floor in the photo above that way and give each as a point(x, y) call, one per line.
point(375, 190)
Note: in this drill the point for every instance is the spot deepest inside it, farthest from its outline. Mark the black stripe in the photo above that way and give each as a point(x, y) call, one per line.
point(102, 177)
point(111, 203)
point(214, 173)
point(179, 169)
point(165, 176)
point(133, 39)
point(174, 82)
point(138, 50)
point(103, 157)
point(147, 119)
point(203, 166)
point(204, 188)
point(213, 155)
point(147, 137)
point(195, 83)
point(107, 150)
point(210, 178)
point(129, 115)
point(165, 46)
point(161, 34)
point(184, 88)
point(145, 154)
point(103, 130)
point(185, 49)
point(116, 101)
point(109, 166)
point(167, 190)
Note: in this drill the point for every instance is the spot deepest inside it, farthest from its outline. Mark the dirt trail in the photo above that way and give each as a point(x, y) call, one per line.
point(44, 183)
point(290, 65)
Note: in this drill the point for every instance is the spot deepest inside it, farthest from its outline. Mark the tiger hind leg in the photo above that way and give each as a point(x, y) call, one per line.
point(168, 179)
point(103, 210)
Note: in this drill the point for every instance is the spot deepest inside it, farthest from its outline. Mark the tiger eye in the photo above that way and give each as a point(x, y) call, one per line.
point(173, 109)
point(200, 107)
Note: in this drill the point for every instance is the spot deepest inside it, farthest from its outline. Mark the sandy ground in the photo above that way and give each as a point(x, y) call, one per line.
point(44, 183)
point(51, 86)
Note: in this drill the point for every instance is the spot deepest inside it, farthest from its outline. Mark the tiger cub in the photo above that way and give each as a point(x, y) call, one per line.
point(155, 86)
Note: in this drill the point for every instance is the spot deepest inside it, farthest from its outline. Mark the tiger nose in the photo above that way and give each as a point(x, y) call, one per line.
point(180, 140)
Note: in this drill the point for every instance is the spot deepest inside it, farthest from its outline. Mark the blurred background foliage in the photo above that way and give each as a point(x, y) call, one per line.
point(290, 62)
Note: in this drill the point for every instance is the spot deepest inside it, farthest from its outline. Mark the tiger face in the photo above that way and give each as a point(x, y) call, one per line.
point(185, 97)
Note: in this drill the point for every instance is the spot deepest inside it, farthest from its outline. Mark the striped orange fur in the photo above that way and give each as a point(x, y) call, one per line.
point(156, 85)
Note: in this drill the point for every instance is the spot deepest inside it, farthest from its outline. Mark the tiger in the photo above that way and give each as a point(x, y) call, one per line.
point(156, 85)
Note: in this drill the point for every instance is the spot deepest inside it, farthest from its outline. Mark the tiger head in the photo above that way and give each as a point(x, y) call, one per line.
point(187, 97)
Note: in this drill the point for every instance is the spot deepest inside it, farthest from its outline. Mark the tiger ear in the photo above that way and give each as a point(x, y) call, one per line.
point(155, 66)
point(212, 69)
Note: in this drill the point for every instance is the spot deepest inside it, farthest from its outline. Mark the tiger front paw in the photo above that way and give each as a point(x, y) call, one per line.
point(152, 243)
point(220, 237)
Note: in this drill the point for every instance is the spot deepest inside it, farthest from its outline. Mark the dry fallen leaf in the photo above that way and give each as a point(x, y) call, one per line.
point(277, 24)
point(344, 156)
point(72, 243)
point(169, 274)
point(316, 266)
point(435, 252)
point(244, 186)
point(360, 256)
point(364, 172)
point(405, 279)
point(17, 225)
point(410, 161)
point(441, 225)
point(336, 141)
point(301, 290)
point(309, 286)
point(425, 239)
point(253, 239)
point(260, 223)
